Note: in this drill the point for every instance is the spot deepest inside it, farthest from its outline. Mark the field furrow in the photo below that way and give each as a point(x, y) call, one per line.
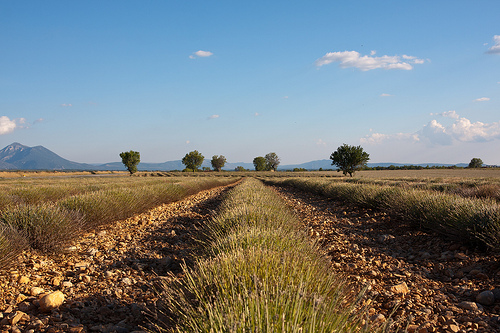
point(109, 276)
point(418, 279)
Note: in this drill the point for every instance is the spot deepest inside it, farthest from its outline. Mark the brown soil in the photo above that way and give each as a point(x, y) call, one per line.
point(108, 276)
point(417, 279)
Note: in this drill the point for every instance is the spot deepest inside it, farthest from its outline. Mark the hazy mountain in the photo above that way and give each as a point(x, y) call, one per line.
point(19, 157)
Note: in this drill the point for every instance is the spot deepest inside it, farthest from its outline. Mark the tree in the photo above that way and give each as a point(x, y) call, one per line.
point(218, 162)
point(239, 168)
point(130, 159)
point(193, 160)
point(349, 158)
point(259, 163)
point(475, 163)
point(272, 161)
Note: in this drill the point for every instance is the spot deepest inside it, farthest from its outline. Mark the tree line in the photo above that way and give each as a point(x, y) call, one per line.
point(346, 158)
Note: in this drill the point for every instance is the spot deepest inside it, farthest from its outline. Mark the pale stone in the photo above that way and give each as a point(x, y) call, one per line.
point(35, 291)
point(23, 280)
point(66, 284)
point(377, 319)
point(51, 301)
point(127, 281)
point(400, 288)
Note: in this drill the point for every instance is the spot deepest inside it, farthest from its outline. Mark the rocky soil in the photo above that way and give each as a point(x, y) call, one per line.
point(414, 279)
point(105, 281)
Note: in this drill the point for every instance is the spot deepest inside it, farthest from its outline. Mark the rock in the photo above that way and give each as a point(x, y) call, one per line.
point(71, 249)
point(56, 281)
point(461, 256)
point(14, 318)
point(412, 328)
point(400, 288)
point(472, 306)
point(377, 318)
point(86, 279)
point(92, 252)
point(109, 275)
point(82, 266)
point(486, 298)
point(51, 301)
point(496, 292)
point(24, 280)
point(385, 238)
point(127, 281)
point(20, 298)
point(453, 328)
point(35, 291)
point(101, 233)
point(66, 284)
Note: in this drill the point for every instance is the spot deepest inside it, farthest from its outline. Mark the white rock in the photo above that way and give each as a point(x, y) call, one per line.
point(51, 301)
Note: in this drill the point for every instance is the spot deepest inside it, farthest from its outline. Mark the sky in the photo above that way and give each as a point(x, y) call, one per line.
point(409, 81)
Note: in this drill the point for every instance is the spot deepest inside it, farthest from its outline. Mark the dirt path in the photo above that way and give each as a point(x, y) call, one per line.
point(107, 276)
point(430, 285)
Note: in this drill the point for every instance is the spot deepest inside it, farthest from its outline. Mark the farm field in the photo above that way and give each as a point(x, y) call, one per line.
point(415, 278)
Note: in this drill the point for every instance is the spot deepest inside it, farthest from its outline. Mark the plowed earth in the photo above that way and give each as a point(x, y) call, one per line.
point(108, 276)
point(417, 279)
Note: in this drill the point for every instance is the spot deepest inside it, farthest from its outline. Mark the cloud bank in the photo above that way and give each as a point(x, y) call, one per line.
point(435, 133)
point(366, 63)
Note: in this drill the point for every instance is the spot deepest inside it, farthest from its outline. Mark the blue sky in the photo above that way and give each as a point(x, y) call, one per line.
point(412, 82)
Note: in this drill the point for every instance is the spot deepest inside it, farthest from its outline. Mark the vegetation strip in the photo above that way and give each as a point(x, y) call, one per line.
point(48, 226)
point(259, 273)
point(470, 219)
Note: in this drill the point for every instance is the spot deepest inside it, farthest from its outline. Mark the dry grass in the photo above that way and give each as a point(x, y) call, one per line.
point(48, 213)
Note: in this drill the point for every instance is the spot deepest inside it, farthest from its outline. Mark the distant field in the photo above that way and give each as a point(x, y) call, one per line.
point(431, 173)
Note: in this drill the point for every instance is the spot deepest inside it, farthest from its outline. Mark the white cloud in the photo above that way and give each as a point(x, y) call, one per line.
point(435, 133)
point(366, 63)
point(495, 49)
point(449, 114)
point(386, 95)
point(200, 54)
point(256, 114)
point(7, 125)
point(39, 120)
point(378, 138)
point(188, 142)
point(214, 116)
point(66, 104)
point(482, 99)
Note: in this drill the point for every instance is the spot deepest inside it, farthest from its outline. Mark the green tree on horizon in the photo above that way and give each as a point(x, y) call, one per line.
point(131, 159)
point(193, 160)
point(349, 158)
point(272, 161)
point(259, 163)
point(218, 162)
point(475, 163)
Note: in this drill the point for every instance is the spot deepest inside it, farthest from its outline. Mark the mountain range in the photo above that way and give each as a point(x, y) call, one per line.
point(19, 157)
